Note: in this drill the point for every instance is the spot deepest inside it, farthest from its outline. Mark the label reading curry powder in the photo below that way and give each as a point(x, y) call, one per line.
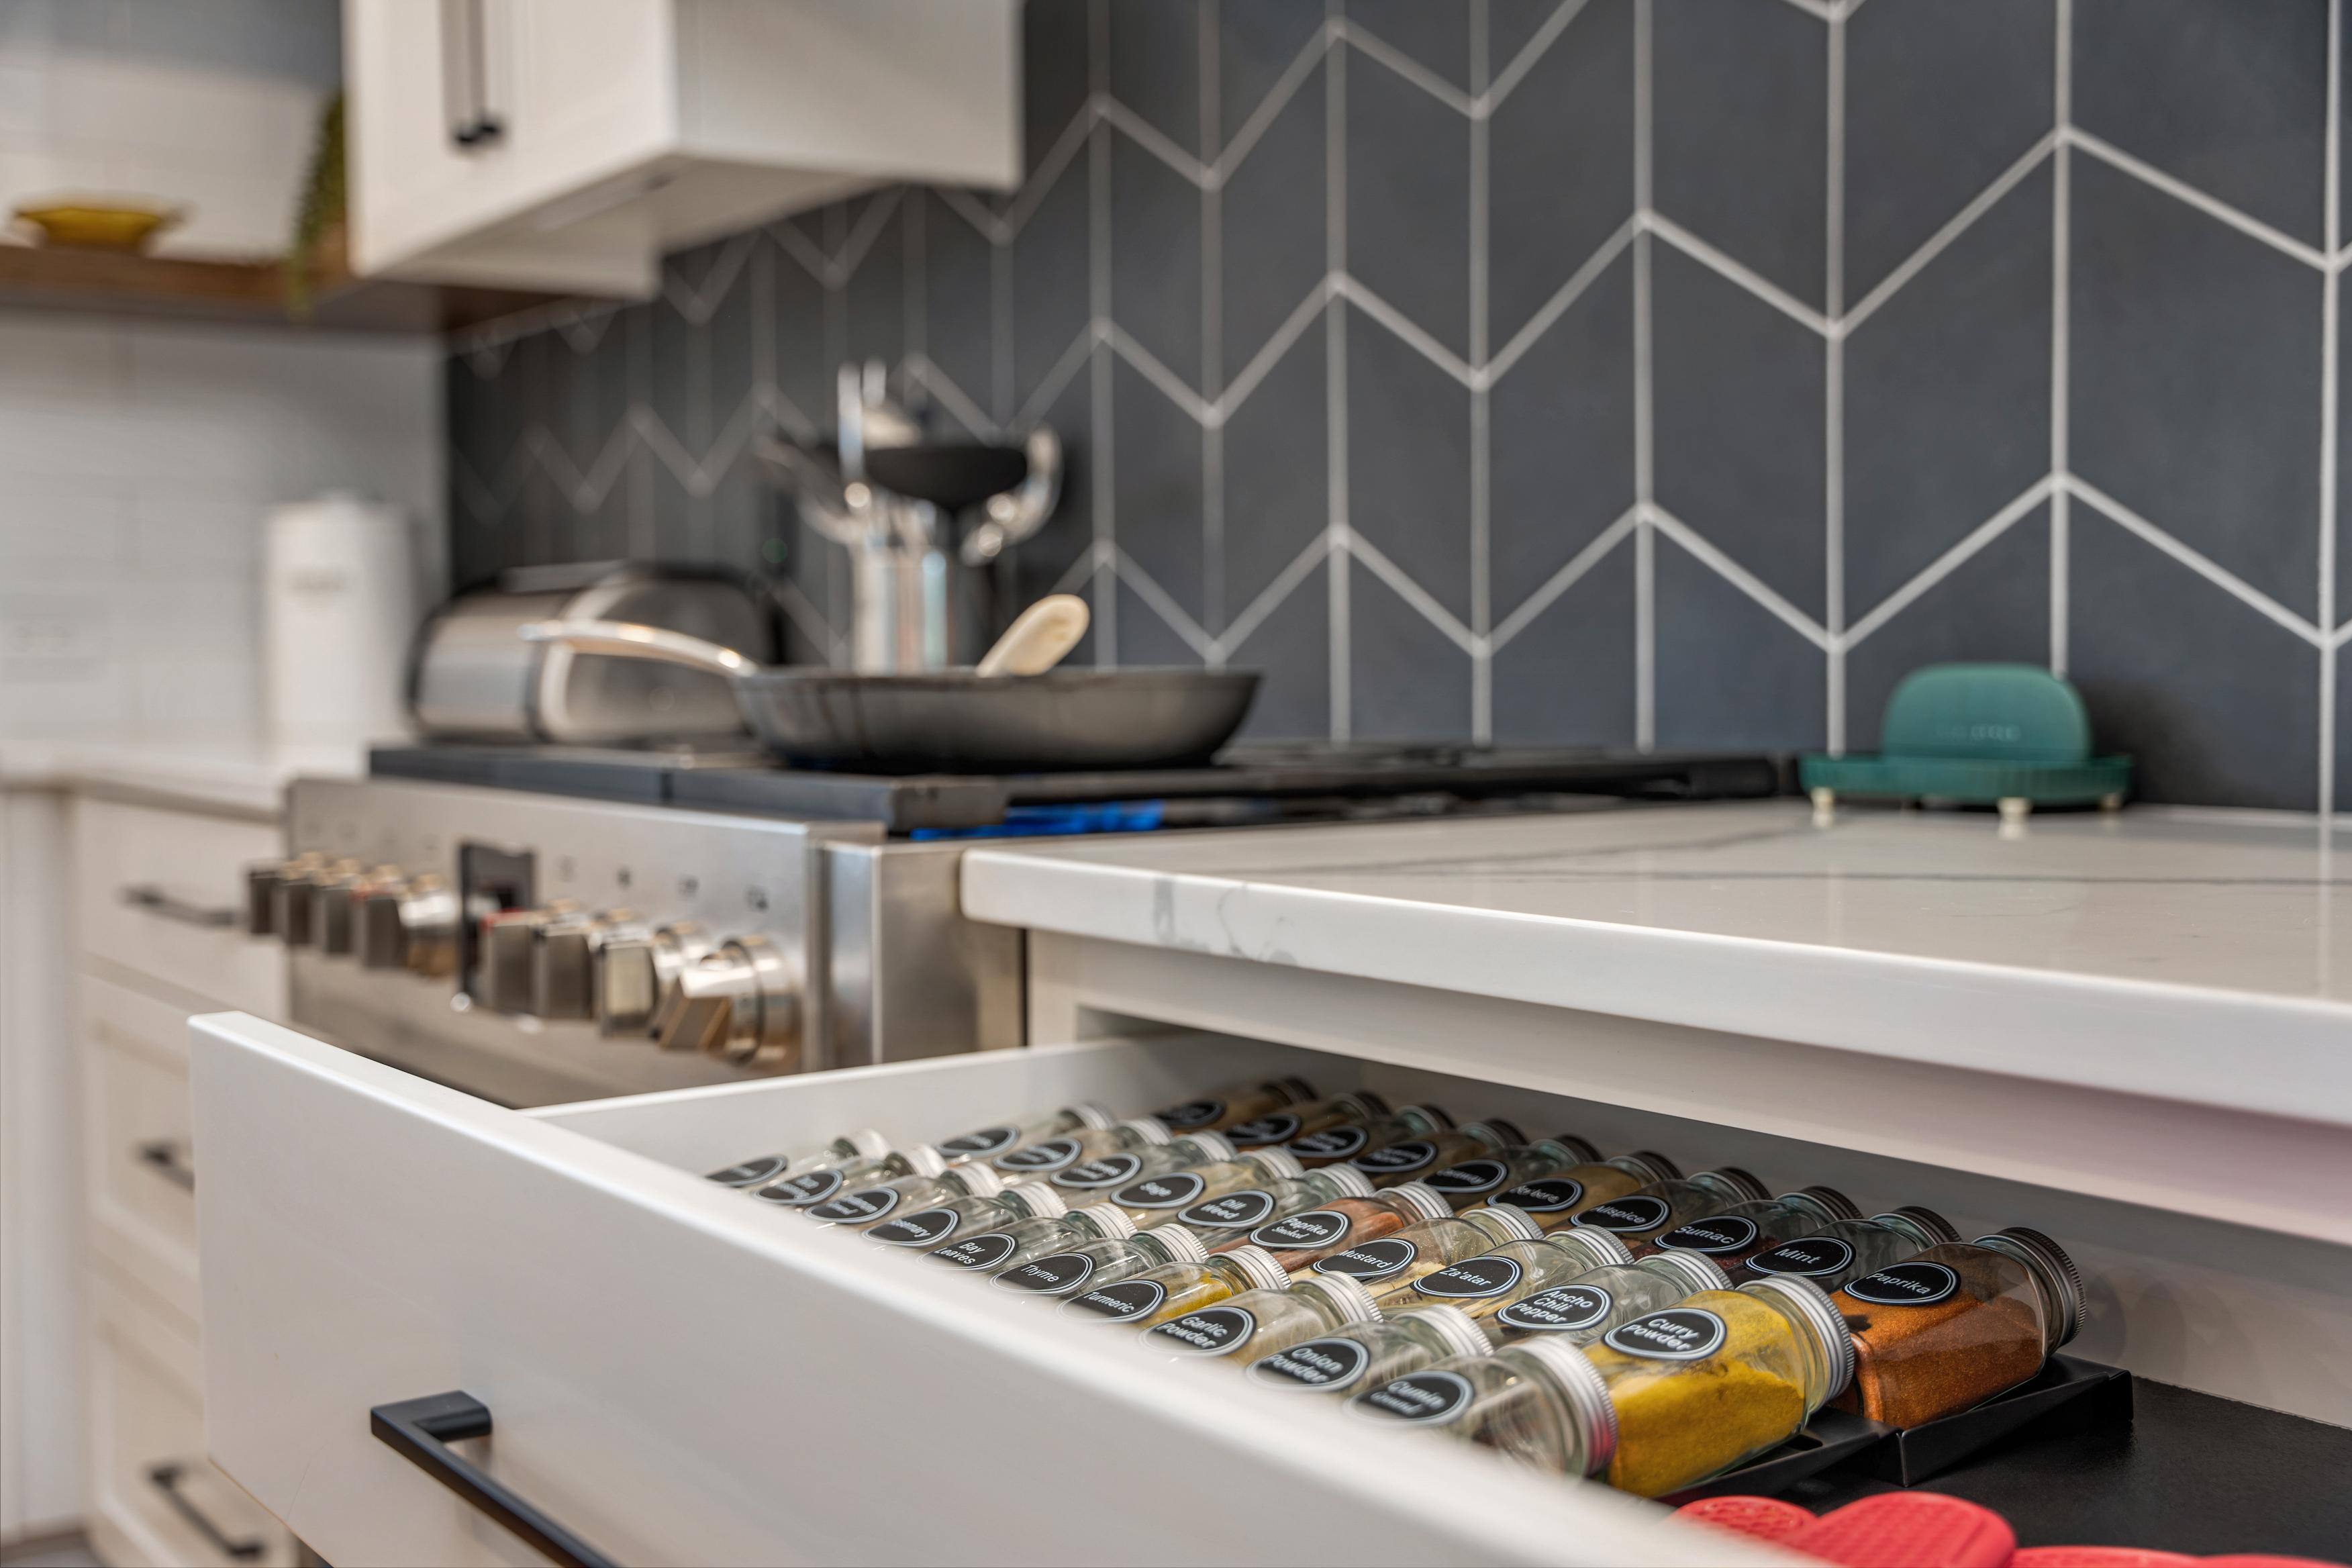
point(1679, 1333)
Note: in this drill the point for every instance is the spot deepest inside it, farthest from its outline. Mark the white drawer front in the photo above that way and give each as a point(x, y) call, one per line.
point(677, 1374)
point(140, 1159)
point(194, 864)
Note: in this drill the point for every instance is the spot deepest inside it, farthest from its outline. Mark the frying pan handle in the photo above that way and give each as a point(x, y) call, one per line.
point(623, 640)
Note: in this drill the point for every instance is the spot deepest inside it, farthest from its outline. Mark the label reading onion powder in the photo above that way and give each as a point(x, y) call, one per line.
point(1323, 1366)
point(1904, 1285)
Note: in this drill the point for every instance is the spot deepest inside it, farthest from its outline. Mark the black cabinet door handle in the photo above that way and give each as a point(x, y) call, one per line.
point(163, 1156)
point(165, 1479)
point(421, 1430)
point(156, 901)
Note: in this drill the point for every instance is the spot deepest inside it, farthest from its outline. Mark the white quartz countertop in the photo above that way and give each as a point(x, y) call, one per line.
point(245, 781)
point(2196, 956)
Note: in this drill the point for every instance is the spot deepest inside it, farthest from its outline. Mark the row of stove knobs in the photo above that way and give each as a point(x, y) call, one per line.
point(674, 982)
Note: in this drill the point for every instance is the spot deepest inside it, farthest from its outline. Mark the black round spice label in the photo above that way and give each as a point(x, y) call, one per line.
point(1055, 1275)
point(1724, 1233)
point(1397, 1158)
point(1332, 1143)
point(1368, 1260)
point(1810, 1255)
point(927, 1228)
point(1321, 1366)
point(1093, 1176)
point(802, 1191)
point(1637, 1212)
point(1212, 1331)
point(986, 1251)
point(1279, 1128)
point(1550, 1194)
point(1230, 1211)
point(1471, 1280)
point(1169, 1190)
point(1120, 1303)
point(1679, 1333)
point(979, 1145)
point(1470, 1176)
point(1293, 1233)
point(1904, 1285)
point(750, 1172)
point(1559, 1309)
point(1051, 1154)
point(1417, 1396)
point(858, 1208)
point(1191, 1113)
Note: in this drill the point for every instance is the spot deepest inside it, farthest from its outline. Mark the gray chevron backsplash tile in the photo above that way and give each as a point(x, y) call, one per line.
point(1575, 372)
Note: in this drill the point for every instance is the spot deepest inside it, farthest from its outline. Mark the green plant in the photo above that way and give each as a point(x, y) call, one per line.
point(318, 212)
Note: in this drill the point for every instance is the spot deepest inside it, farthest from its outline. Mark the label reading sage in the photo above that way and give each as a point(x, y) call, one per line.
point(1169, 1191)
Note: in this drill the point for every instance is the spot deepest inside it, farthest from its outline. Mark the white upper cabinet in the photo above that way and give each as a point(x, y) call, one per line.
point(566, 145)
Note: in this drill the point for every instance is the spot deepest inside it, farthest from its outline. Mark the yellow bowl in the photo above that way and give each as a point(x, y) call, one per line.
point(95, 227)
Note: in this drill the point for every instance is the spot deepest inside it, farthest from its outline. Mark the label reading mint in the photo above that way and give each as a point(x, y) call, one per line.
point(1470, 1281)
point(1369, 1260)
point(1332, 1143)
point(750, 1172)
point(1470, 1176)
point(1049, 1156)
point(1639, 1211)
point(977, 1145)
point(855, 1208)
point(1559, 1309)
point(1120, 1303)
point(1810, 1255)
point(1171, 1191)
point(979, 1251)
point(1315, 1227)
point(1232, 1211)
point(928, 1228)
point(803, 1191)
point(1552, 1194)
point(1679, 1333)
point(1096, 1175)
point(1213, 1330)
point(1904, 1285)
point(1724, 1233)
point(1279, 1128)
point(1323, 1366)
point(1056, 1276)
point(1397, 1158)
point(1417, 1396)
point(1191, 1113)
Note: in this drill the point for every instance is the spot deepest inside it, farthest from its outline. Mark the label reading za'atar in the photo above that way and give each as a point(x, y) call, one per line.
point(1410, 1155)
point(928, 1228)
point(1054, 1276)
point(975, 1146)
point(1472, 1279)
point(1472, 1176)
point(1096, 1175)
point(1552, 1194)
point(1172, 1190)
point(979, 1251)
point(1233, 1210)
point(801, 1192)
point(1120, 1303)
point(856, 1208)
point(1638, 1212)
point(1904, 1285)
point(1810, 1255)
point(1369, 1260)
point(1049, 1156)
point(1679, 1333)
point(1561, 1309)
point(1212, 1331)
point(1320, 1366)
point(1315, 1227)
point(1724, 1233)
point(1417, 1396)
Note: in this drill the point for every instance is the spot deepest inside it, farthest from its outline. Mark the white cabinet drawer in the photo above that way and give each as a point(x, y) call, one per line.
point(140, 1161)
point(149, 881)
point(678, 1374)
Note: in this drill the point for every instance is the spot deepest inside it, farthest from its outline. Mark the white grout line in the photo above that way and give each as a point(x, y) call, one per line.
point(2149, 174)
point(953, 398)
point(1079, 134)
point(1152, 140)
point(1699, 251)
point(1525, 60)
point(1081, 570)
point(870, 224)
point(1270, 598)
point(914, 281)
point(2061, 350)
point(1944, 566)
point(1335, 373)
point(1961, 222)
point(1833, 393)
point(1261, 364)
point(1819, 10)
point(1261, 118)
point(1103, 447)
point(1170, 385)
point(1213, 333)
point(2203, 566)
point(788, 238)
point(1163, 604)
point(1405, 330)
point(698, 305)
point(1411, 593)
point(802, 613)
point(1645, 576)
point(1738, 576)
point(1058, 379)
point(1561, 580)
point(973, 211)
point(2331, 373)
point(1494, 369)
point(1406, 67)
point(1646, 634)
point(1482, 682)
point(1001, 378)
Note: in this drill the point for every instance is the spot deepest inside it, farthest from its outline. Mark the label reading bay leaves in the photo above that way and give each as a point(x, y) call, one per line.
point(979, 1251)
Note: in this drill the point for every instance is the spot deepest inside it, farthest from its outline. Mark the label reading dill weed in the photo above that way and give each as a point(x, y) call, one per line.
point(803, 1191)
point(1809, 1256)
point(1397, 1158)
point(979, 1145)
point(1417, 1396)
point(1056, 1276)
point(1904, 1285)
point(1037, 1159)
point(1171, 1191)
point(1212, 1331)
point(856, 1208)
point(1371, 1260)
point(1725, 1233)
point(1096, 1175)
point(1563, 1309)
point(1549, 1195)
point(979, 1251)
point(927, 1228)
point(1679, 1333)
point(1279, 1128)
point(1636, 1212)
point(1233, 1210)
point(1315, 1227)
point(1470, 1177)
point(1332, 1143)
point(1322, 1366)
point(1120, 1303)
point(1472, 1279)
point(1191, 1113)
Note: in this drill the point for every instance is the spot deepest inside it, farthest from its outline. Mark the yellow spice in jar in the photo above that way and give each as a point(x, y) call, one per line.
point(1679, 1422)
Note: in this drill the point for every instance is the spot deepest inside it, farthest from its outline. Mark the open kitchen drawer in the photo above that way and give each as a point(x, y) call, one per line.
point(678, 1375)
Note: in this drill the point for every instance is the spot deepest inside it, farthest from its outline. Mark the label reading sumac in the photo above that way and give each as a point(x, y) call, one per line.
point(1368, 1260)
point(1171, 1190)
point(1679, 1333)
point(1056, 1276)
point(1230, 1211)
point(1397, 1158)
point(1279, 1128)
point(927, 1228)
point(1051, 1154)
point(856, 1208)
point(978, 1145)
point(1904, 1285)
point(1810, 1255)
point(1093, 1176)
point(750, 1172)
point(1315, 1227)
point(1191, 1113)
point(1471, 1280)
point(801, 1192)
point(1470, 1176)
point(980, 1251)
point(1212, 1331)
point(1120, 1303)
point(1323, 1366)
point(1561, 1309)
point(1332, 1143)
point(1417, 1396)
point(1724, 1233)
point(1551, 1195)
point(1638, 1212)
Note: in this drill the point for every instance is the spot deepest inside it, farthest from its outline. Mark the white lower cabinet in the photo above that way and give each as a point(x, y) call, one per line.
point(677, 1374)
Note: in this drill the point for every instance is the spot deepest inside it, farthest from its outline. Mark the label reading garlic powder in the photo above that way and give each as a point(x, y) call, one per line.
point(1212, 1331)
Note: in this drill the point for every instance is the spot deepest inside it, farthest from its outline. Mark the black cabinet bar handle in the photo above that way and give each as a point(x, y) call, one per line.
point(421, 1430)
point(163, 1156)
point(156, 901)
point(165, 1479)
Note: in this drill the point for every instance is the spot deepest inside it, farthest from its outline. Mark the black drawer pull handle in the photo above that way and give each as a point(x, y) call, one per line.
point(163, 1156)
point(421, 1430)
point(165, 1479)
point(156, 901)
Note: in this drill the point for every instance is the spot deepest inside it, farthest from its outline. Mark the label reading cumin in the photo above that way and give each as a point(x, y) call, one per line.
point(1904, 1285)
point(1417, 1396)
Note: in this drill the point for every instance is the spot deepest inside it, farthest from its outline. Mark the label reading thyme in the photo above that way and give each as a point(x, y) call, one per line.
point(1417, 1396)
point(1056, 1276)
point(1212, 1331)
point(1371, 1260)
point(1679, 1333)
point(1233, 1210)
point(979, 1251)
point(1320, 1366)
point(1904, 1285)
point(1561, 1309)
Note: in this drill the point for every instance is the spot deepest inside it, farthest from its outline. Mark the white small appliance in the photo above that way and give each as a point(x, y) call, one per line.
point(338, 606)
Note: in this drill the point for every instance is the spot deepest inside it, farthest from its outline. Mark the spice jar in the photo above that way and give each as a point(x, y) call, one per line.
point(1539, 1404)
point(865, 1143)
point(1310, 1116)
point(1304, 1240)
point(1415, 1157)
point(1474, 1180)
point(1259, 1323)
point(1104, 1261)
point(870, 1206)
point(1837, 1253)
point(1350, 1139)
point(1221, 1108)
point(1228, 1221)
point(1004, 1137)
point(1484, 1284)
point(1093, 1181)
point(1950, 1327)
point(1663, 1205)
point(1429, 1245)
point(1016, 1243)
point(1149, 1200)
point(1173, 1289)
point(1734, 1235)
point(1369, 1354)
point(813, 1187)
point(982, 1212)
point(1581, 1310)
point(1064, 1150)
point(1554, 1200)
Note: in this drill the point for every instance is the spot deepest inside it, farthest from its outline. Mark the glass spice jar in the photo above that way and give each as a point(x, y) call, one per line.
point(1220, 1109)
point(813, 1187)
point(1016, 1243)
point(1310, 1116)
point(1664, 1205)
point(1732, 1235)
point(1581, 1310)
point(1350, 1139)
point(1241, 1328)
point(1950, 1327)
point(1540, 1405)
point(868, 1207)
point(1415, 1157)
point(1837, 1253)
point(1034, 1162)
point(1303, 1240)
point(1106, 1262)
point(1228, 1221)
point(865, 1143)
point(943, 1222)
point(1474, 1179)
point(1092, 1181)
point(1004, 1137)
point(1369, 1354)
point(1172, 1289)
point(1149, 1200)
point(1484, 1284)
point(1429, 1245)
point(1556, 1199)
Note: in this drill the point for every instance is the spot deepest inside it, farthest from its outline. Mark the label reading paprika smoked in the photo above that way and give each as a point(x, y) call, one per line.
point(1171, 1191)
point(1397, 1158)
point(1096, 1175)
point(1551, 1195)
point(1371, 1260)
point(855, 1208)
point(979, 1251)
point(1904, 1285)
point(1315, 1227)
point(1808, 1254)
point(1233, 1210)
point(1637, 1211)
point(1120, 1303)
point(1212, 1331)
point(1054, 1276)
point(1724, 1233)
point(1470, 1177)
point(1417, 1396)
point(1049, 1156)
point(1561, 1309)
point(925, 1228)
point(1322, 1366)
point(1679, 1333)
point(1472, 1279)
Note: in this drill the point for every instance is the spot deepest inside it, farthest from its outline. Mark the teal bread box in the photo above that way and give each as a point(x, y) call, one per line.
point(1979, 734)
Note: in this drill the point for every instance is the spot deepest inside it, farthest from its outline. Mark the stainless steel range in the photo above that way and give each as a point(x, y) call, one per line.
point(536, 925)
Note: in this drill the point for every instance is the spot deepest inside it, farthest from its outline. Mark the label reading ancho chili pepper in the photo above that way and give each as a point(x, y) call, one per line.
point(1120, 1303)
point(1096, 1175)
point(751, 1171)
point(1315, 1227)
point(1417, 1396)
point(1559, 1309)
point(1724, 1233)
point(1332, 1143)
point(802, 1191)
point(855, 1208)
point(1808, 1254)
point(1054, 1276)
point(1679, 1333)
point(927, 1228)
point(973, 1145)
point(1472, 1176)
point(1904, 1285)
point(1279, 1128)
point(979, 1251)
point(1471, 1280)
point(1171, 1191)
point(1551, 1195)
point(1372, 1260)
point(1234, 1209)
point(1191, 1113)
point(1049, 1156)
point(1637, 1212)
point(1397, 1158)
point(1322, 1365)
point(1212, 1331)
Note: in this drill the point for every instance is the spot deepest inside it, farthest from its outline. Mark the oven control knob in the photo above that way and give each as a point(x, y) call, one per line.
point(563, 961)
point(509, 937)
point(418, 930)
point(262, 882)
point(636, 975)
point(336, 905)
point(738, 1001)
point(294, 910)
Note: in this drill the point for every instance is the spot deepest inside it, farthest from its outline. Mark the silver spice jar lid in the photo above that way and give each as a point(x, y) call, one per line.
point(1461, 1333)
point(1110, 1221)
point(1150, 1129)
point(868, 1143)
point(1519, 1224)
point(1651, 1164)
point(1813, 1305)
point(923, 1160)
point(1346, 1294)
point(1502, 1135)
point(1262, 1268)
point(1694, 1269)
point(2053, 1271)
point(1179, 1245)
point(1343, 1182)
point(1731, 1179)
point(1425, 1201)
point(1824, 1204)
point(1040, 1200)
point(1920, 1222)
point(1214, 1148)
point(1599, 1249)
point(1584, 1154)
point(1583, 1389)
point(1280, 1164)
point(978, 1181)
point(1092, 1117)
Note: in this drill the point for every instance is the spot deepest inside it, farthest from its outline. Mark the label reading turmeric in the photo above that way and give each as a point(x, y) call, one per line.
point(1120, 1303)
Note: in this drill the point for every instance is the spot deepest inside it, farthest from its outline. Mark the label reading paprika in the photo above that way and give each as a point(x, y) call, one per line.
point(927, 1228)
point(1191, 1113)
point(1212, 1331)
point(1417, 1396)
point(1551, 1195)
point(1051, 1154)
point(1637, 1212)
point(855, 1208)
point(979, 1251)
point(1332, 1143)
point(801, 1192)
point(1561, 1309)
point(1096, 1175)
point(978, 1145)
point(1724, 1233)
point(1472, 1279)
point(1323, 1366)
point(1120, 1303)
point(1397, 1158)
point(1808, 1254)
point(1279, 1128)
point(1233, 1210)
point(1470, 1177)
point(750, 1172)
point(1171, 1191)
point(1054, 1276)
point(1679, 1333)
point(1315, 1227)
point(1372, 1260)
point(1904, 1285)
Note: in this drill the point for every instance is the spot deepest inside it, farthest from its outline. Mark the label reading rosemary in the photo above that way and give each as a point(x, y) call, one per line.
point(1559, 1309)
point(1056, 1276)
point(1550, 1194)
point(927, 1228)
point(1679, 1333)
point(801, 1192)
point(1811, 1256)
point(1279, 1128)
point(1315, 1227)
point(1051, 1154)
point(1232, 1211)
point(1470, 1176)
point(1096, 1175)
point(1904, 1285)
point(858, 1208)
point(1472, 1279)
point(978, 1145)
point(1724, 1233)
point(1171, 1190)
point(1417, 1396)
point(750, 1172)
point(1637, 1212)
point(979, 1251)
point(1320, 1366)
point(1212, 1331)
point(1120, 1303)
point(1397, 1158)
point(1372, 1260)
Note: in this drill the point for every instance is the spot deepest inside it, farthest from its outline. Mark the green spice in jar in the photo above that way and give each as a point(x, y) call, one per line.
point(1951, 1327)
point(1556, 1200)
point(1173, 1289)
point(1092, 1181)
point(1664, 1205)
point(1160, 1196)
point(1483, 1176)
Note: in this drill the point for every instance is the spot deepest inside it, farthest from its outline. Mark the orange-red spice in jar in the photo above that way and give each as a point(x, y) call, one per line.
point(1948, 1329)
